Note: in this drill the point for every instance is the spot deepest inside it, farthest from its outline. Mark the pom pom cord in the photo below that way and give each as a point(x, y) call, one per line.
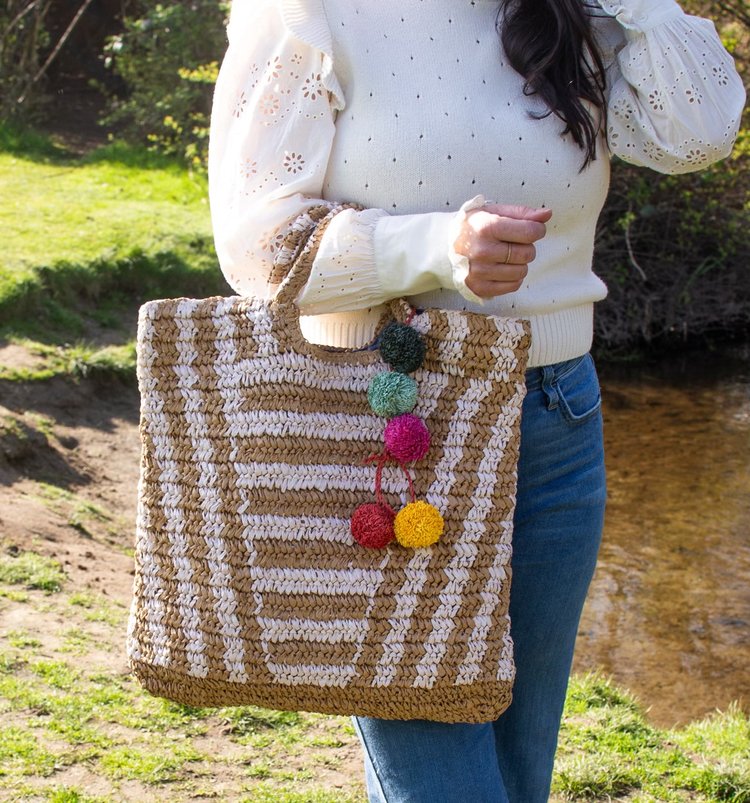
point(382, 459)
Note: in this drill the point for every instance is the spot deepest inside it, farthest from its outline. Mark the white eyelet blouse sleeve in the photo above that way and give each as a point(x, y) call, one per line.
point(271, 133)
point(674, 96)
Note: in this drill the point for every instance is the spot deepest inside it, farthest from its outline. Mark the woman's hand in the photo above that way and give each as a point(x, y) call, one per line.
point(499, 243)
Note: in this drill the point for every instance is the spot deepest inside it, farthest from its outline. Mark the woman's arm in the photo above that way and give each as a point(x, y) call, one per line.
point(675, 99)
point(271, 133)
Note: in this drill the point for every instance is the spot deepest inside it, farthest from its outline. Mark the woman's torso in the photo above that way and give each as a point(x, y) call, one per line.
point(435, 115)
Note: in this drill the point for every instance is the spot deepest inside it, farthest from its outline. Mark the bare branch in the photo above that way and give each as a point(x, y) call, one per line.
point(737, 10)
point(21, 14)
point(631, 255)
point(58, 47)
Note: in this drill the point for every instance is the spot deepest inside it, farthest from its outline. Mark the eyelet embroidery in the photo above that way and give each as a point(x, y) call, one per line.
point(293, 162)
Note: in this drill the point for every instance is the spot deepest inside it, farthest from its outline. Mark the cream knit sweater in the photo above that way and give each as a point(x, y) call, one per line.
point(411, 110)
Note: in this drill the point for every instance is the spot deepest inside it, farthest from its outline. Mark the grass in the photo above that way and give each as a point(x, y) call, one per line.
point(79, 360)
point(67, 794)
point(32, 571)
point(608, 751)
point(91, 520)
point(64, 711)
point(86, 241)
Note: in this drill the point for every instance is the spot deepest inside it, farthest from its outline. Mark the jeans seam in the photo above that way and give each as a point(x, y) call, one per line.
point(570, 368)
point(536, 382)
point(556, 398)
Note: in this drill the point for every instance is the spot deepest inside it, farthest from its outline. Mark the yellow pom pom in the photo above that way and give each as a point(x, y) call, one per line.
point(418, 524)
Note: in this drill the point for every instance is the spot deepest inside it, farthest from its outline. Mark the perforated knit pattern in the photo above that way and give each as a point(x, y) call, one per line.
point(420, 111)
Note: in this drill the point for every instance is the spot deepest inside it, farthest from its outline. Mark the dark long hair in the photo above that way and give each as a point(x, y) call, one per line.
point(550, 43)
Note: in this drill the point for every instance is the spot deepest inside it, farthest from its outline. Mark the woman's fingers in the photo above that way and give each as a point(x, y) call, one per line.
point(499, 242)
point(483, 230)
point(513, 230)
point(489, 279)
point(501, 252)
point(540, 213)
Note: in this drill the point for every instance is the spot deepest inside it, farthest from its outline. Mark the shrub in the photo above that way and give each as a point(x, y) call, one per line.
point(168, 55)
point(673, 251)
point(23, 37)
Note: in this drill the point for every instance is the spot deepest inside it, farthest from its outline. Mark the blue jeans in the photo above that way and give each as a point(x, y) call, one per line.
point(558, 522)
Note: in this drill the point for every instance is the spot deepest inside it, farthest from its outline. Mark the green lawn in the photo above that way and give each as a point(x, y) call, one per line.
point(87, 239)
point(59, 210)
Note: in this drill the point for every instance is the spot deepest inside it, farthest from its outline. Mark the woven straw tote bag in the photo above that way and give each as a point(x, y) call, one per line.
point(249, 587)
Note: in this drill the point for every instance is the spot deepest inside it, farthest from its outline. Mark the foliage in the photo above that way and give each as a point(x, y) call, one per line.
point(168, 55)
point(673, 251)
point(23, 37)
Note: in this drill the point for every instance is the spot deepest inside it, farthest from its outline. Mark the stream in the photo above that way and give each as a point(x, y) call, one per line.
point(668, 614)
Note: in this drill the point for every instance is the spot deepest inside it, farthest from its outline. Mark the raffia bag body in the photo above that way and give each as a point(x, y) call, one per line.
point(249, 587)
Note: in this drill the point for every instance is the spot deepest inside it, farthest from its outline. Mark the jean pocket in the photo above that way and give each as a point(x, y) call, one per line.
point(579, 392)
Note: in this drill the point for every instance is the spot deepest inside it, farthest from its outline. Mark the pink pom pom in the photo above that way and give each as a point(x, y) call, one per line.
point(372, 525)
point(407, 438)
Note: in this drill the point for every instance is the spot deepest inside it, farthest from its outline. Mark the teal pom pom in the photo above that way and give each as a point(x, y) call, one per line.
point(402, 347)
point(392, 393)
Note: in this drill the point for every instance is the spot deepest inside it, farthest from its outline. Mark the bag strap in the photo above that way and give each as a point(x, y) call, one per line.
point(303, 251)
point(299, 250)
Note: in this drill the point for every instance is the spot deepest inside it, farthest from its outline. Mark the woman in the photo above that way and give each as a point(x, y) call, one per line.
point(418, 111)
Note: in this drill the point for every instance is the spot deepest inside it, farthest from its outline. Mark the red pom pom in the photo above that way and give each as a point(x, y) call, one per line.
point(407, 438)
point(372, 525)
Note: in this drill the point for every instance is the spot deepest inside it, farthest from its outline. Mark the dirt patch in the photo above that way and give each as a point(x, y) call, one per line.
point(69, 463)
point(69, 455)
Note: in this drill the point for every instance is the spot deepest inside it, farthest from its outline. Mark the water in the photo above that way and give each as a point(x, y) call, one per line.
point(668, 615)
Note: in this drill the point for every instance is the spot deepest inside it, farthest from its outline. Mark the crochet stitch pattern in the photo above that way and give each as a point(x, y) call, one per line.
point(248, 589)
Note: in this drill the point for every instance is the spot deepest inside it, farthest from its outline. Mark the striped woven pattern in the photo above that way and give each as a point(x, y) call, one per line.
point(249, 588)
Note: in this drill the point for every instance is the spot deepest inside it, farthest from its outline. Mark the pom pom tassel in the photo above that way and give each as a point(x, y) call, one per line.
point(407, 438)
point(372, 525)
point(402, 347)
point(418, 524)
point(393, 395)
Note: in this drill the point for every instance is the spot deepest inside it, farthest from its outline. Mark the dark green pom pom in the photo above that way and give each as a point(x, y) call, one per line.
point(402, 347)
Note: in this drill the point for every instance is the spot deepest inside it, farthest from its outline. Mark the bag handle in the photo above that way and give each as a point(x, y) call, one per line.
point(304, 250)
point(284, 300)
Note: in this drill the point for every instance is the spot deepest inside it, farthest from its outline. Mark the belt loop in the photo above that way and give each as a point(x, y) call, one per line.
point(549, 387)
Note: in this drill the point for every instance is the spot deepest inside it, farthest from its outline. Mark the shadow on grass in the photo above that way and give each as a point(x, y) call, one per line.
point(66, 301)
point(29, 144)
